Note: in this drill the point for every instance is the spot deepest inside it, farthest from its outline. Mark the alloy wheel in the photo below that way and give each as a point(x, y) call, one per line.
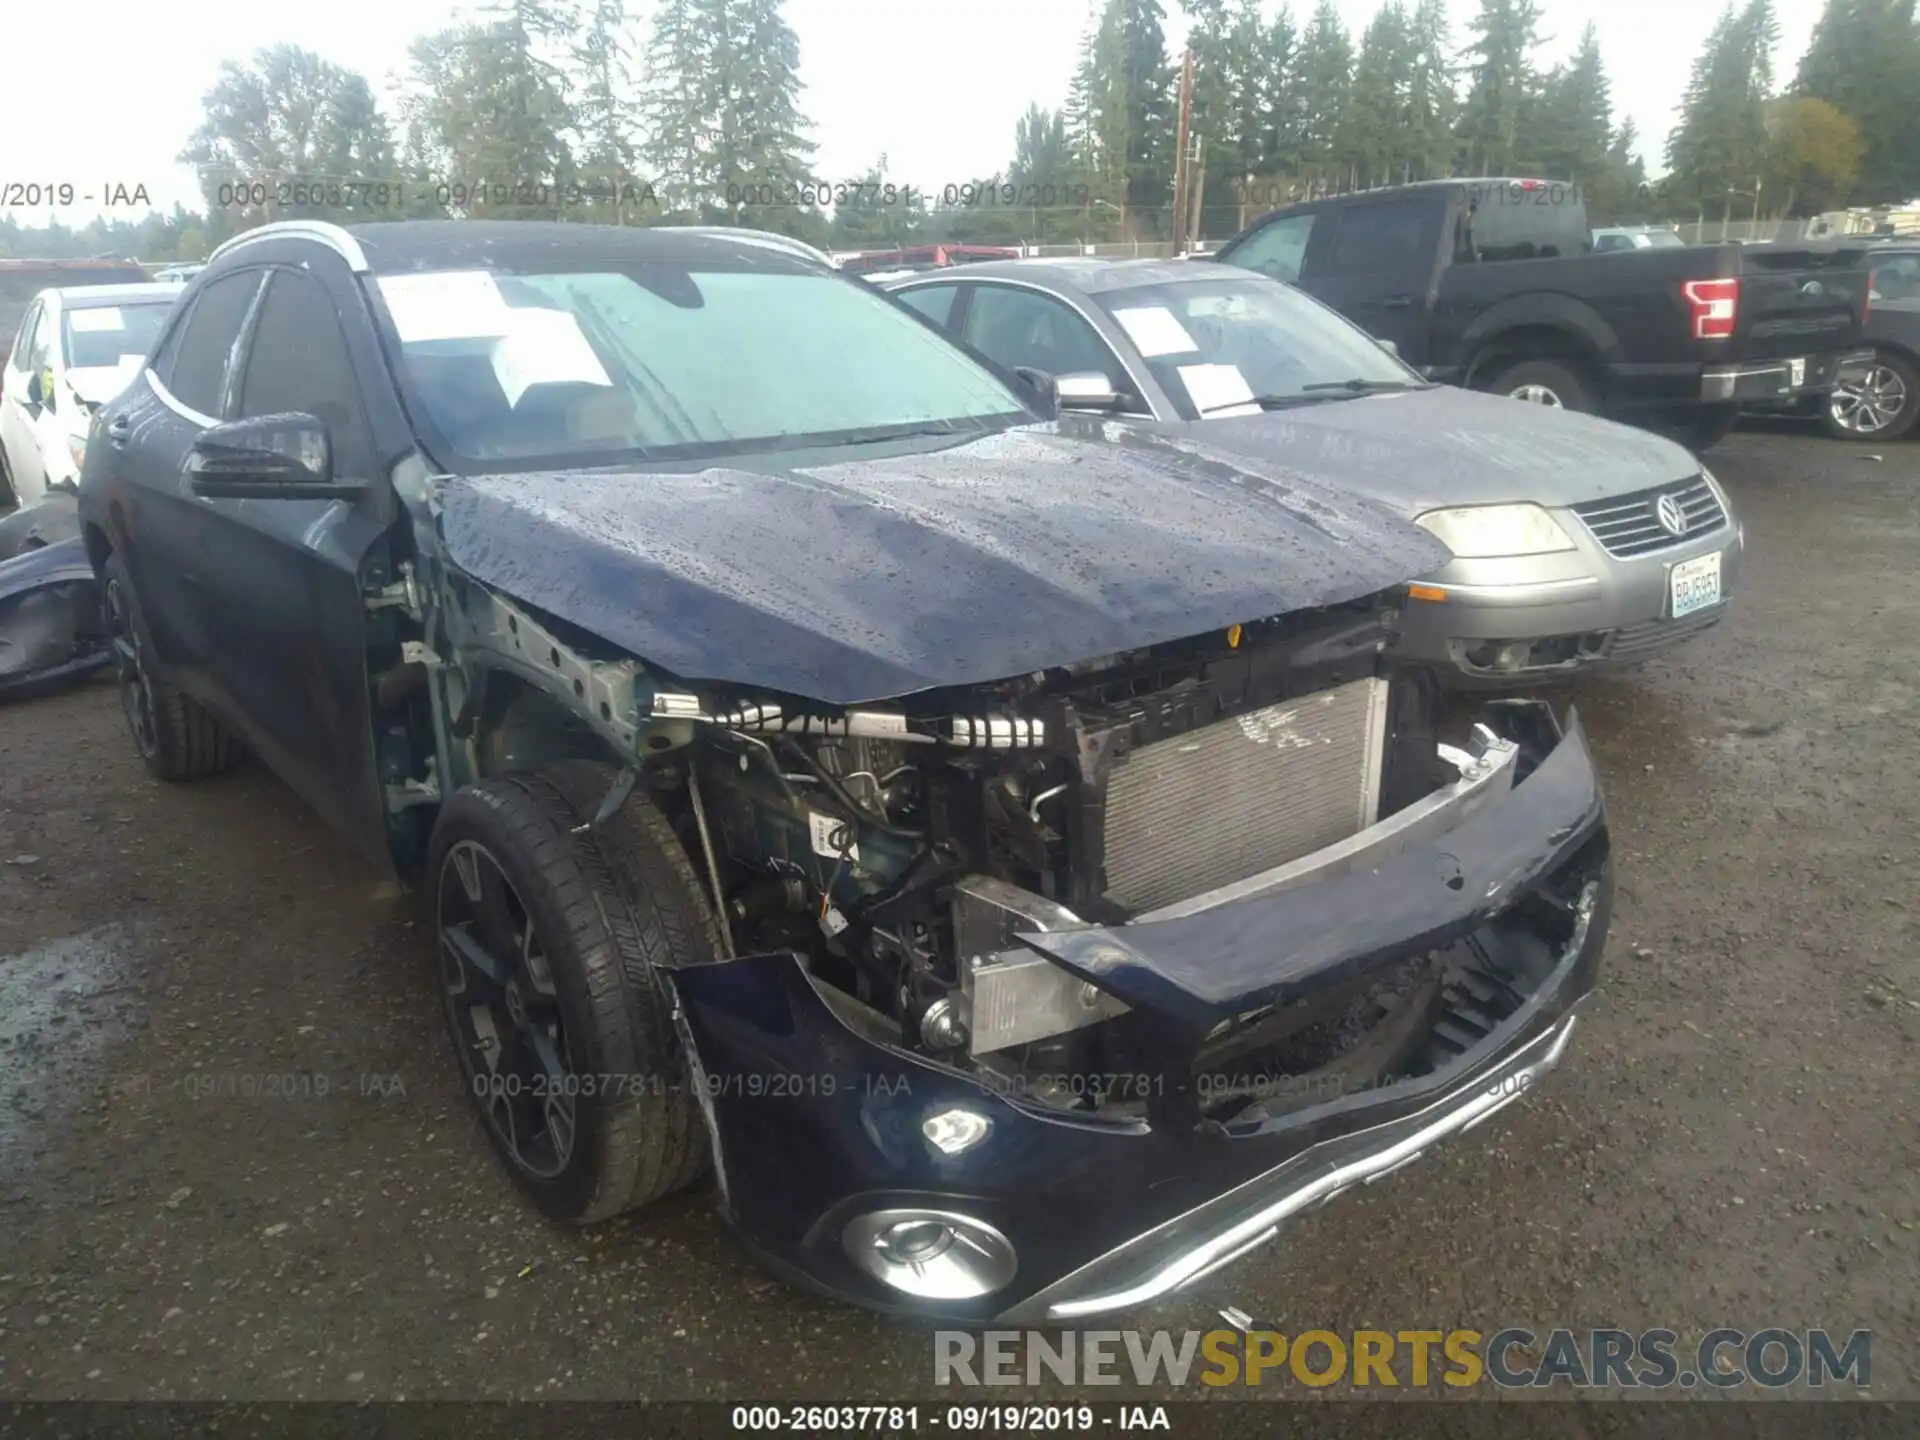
point(1870, 405)
point(500, 994)
point(136, 687)
point(1536, 395)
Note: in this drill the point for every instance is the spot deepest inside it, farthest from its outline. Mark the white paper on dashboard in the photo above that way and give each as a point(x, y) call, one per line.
point(1155, 332)
point(544, 347)
point(1218, 390)
point(107, 317)
point(452, 305)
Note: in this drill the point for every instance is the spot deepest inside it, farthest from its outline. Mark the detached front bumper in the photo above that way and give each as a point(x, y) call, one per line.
point(821, 1124)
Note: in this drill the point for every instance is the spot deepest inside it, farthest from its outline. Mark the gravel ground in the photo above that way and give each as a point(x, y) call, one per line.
point(235, 1161)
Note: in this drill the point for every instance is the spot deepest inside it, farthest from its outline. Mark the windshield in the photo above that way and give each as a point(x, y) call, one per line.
point(102, 337)
point(1216, 345)
point(528, 370)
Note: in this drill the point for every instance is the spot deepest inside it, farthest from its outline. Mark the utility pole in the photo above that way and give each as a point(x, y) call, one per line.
point(1180, 152)
point(1197, 183)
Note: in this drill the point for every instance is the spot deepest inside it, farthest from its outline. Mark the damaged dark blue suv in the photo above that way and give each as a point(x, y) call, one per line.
point(991, 842)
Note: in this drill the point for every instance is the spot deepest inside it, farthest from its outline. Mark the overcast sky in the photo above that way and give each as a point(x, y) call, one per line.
point(942, 103)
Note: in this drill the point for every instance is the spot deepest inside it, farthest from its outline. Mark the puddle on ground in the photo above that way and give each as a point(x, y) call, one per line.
point(61, 1004)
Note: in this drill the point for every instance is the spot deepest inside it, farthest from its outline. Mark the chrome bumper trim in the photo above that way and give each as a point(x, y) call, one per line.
point(1460, 1110)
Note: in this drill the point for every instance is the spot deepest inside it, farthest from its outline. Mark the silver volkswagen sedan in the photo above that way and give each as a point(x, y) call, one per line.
point(1578, 543)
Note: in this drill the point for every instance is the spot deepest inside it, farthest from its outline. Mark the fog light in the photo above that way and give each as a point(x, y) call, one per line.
point(1498, 655)
point(952, 1131)
point(932, 1254)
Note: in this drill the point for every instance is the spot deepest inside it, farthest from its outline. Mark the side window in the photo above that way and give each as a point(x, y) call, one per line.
point(24, 342)
point(297, 361)
point(1024, 327)
point(1392, 237)
point(1276, 250)
point(1606, 243)
point(40, 345)
point(933, 301)
point(196, 371)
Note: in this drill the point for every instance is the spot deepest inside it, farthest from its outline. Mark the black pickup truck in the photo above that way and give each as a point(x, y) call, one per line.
point(1493, 284)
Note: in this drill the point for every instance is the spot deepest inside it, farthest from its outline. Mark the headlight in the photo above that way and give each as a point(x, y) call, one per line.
point(1480, 531)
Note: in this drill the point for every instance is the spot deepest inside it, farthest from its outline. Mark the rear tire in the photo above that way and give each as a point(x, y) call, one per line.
point(551, 944)
point(1714, 424)
point(1559, 384)
point(176, 738)
point(1883, 408)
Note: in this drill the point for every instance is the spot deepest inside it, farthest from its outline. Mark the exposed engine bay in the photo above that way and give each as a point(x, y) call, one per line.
point(902, 848)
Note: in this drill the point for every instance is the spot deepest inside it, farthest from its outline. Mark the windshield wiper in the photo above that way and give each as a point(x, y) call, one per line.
point(880, 434)
point(1358, 386)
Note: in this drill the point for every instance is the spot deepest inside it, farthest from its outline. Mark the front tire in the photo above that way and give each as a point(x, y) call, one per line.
point(1883, 406)
point(176, 738)
point(1554, 383)
point(551, 945)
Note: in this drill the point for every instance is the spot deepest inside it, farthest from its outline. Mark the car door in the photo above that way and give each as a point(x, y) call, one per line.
point(161, 524)
point(282, 599)
point(1378, 262)
point(20, 418)
point(1017, 326)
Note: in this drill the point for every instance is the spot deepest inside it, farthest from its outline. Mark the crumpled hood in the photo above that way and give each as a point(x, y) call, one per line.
point(1420, 449)
point(848, 580)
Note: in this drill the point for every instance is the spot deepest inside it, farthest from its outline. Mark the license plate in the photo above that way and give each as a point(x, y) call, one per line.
point(1796, 374)
point(1695, 584)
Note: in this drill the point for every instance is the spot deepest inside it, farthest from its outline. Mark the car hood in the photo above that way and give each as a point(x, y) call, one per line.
point(97, 384)
point(922, 566)
point(1417, 450)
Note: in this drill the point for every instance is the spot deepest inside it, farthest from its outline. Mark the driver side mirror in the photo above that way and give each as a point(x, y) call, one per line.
point(268, 457)
point(1038, 390)
point(1388, 346)
point(40, 388)
point(1088, 390)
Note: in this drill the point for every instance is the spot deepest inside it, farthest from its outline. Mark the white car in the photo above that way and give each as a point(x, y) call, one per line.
point(75, 350)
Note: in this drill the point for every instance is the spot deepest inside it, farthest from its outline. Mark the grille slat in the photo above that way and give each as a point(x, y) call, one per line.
point(1242, 795)
point(1628, 525)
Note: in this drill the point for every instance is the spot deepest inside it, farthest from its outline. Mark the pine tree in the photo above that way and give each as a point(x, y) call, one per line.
point(1501, 86)
point(1864, 60)
point(1323, 75)
point(607, 111)
point(1131, 108)
point(722, 110)
point(1431, 104)
point(1575, 117)
point(1283, 128)
point(1719, 149)
point(1373, 142)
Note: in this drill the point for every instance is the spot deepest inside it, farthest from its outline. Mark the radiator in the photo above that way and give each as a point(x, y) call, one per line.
point(1242, 795)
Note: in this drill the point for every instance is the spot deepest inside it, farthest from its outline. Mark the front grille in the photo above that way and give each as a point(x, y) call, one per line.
point(1629, 525)
point(1242, 795)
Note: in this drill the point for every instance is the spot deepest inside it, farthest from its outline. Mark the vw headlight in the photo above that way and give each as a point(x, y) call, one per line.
point(1477, 532)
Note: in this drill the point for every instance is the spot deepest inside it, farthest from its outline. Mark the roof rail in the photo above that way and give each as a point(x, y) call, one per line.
point(322, 231)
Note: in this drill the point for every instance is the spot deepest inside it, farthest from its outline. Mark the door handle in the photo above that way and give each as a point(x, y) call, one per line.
point(1396, 302)
point(119, 429)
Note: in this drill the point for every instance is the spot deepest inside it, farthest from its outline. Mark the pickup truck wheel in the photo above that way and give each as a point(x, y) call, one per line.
point(1883, 406)
point(1545, 382)
point(551, 943)
point(177, 739)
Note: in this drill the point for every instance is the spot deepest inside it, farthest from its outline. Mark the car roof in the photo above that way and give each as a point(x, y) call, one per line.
point(90, 297)
point(398, 246)
point(1090, 275)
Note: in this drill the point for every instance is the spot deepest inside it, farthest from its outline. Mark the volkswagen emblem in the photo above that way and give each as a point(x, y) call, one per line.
point(1671, 517)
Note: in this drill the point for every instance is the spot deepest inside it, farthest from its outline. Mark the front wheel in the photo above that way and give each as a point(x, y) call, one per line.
point(1881, 406)
point(552, 946)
